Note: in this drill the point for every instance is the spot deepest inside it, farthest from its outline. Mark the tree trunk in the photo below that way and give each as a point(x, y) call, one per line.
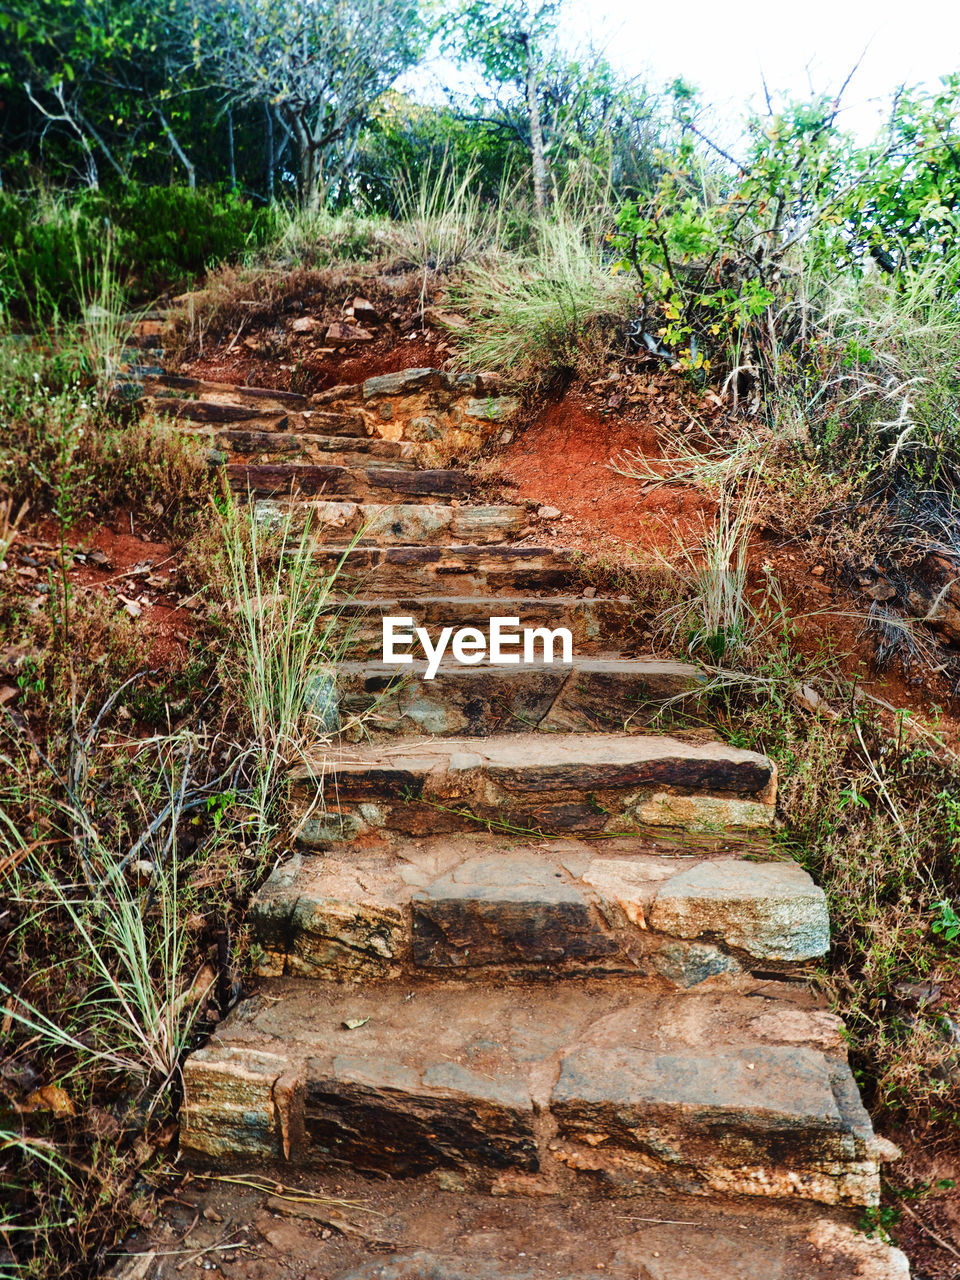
point(536, 133)
point(231, 152)
point(311, 166)
point(271, 162)
point(90, 161)
point(309, 196)
point(179, 152)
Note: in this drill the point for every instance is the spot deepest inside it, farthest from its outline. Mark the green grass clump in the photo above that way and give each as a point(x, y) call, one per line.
point(547, 313)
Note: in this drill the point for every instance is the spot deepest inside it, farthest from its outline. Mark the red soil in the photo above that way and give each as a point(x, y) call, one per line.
point(563, 459)
point(165, 625)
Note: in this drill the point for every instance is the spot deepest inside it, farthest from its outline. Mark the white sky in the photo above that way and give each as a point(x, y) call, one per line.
point(724, 45)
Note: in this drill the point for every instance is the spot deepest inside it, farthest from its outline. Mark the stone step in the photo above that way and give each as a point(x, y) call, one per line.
point(384, 483)
point(470, 570)
point(597, 623)
point(225, 392)
point(434, 1227)
point(603, 1082)
point(588, 694)
point(399, 523)
point(484, 906)
point(262, 421)
point(563, 783)
point(286, 446)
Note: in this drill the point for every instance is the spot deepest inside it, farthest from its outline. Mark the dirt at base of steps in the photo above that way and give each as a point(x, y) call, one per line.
point(274, 1225)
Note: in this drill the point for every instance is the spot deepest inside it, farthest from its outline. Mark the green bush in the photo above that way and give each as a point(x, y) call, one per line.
point(164, 238)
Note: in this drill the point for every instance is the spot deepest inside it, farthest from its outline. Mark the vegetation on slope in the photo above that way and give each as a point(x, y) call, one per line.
point(806, 282)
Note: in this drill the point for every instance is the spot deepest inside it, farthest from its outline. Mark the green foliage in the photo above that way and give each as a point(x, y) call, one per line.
point(863, 812)
point(721, 251)
point(946, 922)
point(411, 140)
point(63, 452)
point(903, 205)
point(736, 256)
point(163, 238)
point(501, 35)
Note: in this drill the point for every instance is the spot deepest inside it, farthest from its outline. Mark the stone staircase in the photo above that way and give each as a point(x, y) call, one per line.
point(532, 943)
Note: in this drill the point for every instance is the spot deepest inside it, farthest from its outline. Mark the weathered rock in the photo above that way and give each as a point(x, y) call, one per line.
point(599, 623)
point(772, 910)
point(688, 964)
point(555, 783)
point(321, 701)
point(402, 383)
point(622, 695)
point(450, 905)
point(856, 1256)
point(762, 1121)
point(340, 931)
point(365, 312)
point(321, 422)
point(934, 597)
point(264, 398)
point(210, 411)
point(424, 428)
point(505, 910)
point(383, 483)
point(402, 523)
point(341, 334)
point(490, 698)
point(446, 570)
point(493, 409)
point(651, 1091)
point(243, 1103)
point(445, 1114)
point(440, 319)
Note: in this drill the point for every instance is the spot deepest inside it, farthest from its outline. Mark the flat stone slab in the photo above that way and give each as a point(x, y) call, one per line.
point(505, 909)
point(588, 694)
point(640, 1090)
point(226, 392)
point(383, 482)
point(475, 904)
point(552, 783)
point(442, 569)
point(772, 909)
point(597, 625)
point(281, 446)
point(384, 524)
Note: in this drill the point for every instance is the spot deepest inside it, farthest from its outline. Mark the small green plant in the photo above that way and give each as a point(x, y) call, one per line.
point(135, 1018)
point(946, 922)
point(877, 1221)
point(715, 616)
point(287, 646)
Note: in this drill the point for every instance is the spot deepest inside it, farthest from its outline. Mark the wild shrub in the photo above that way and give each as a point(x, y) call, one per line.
point(164, 238)
point(65, 451)
point(869, 807)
